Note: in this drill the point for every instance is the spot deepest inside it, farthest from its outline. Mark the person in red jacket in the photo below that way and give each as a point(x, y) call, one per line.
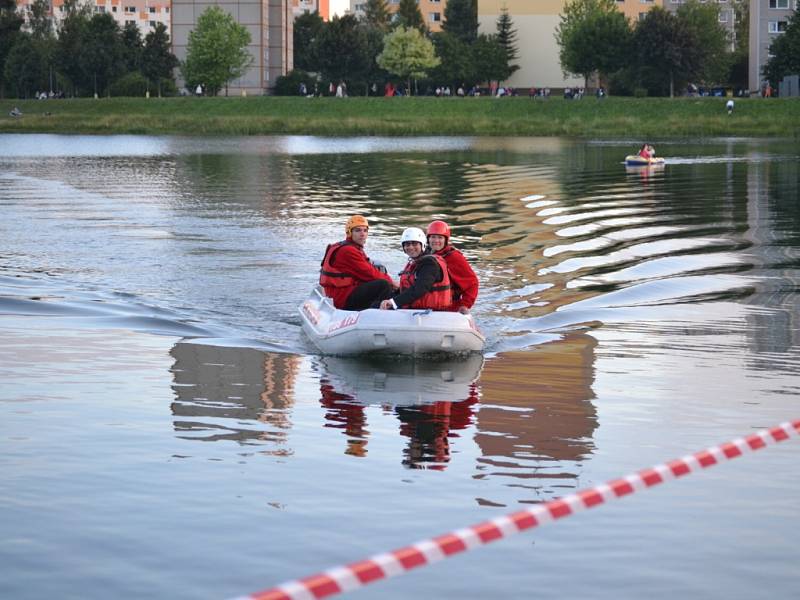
point(425, 282)
point(463, 281)
point(348, 276)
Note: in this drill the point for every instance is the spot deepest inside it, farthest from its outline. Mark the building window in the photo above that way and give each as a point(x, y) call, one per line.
point(436, 17)
point(130, 9)
point(152, 10)
point(723, 16)
point(113, 9)
point(777, 26)
point(129, 22)
point(645, 1)
point(642, 16)
point(784, 4)
point(152, 23)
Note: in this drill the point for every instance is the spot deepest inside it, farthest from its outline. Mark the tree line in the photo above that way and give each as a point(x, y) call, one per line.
point(378, 48)
point(86, 54)
point(665, 51)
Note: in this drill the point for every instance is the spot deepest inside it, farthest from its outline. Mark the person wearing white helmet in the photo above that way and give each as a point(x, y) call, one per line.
point(425, 282)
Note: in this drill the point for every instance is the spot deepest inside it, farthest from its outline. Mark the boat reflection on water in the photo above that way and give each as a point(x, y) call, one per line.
point(232, 393)
point(536, 420)
point(432, 400)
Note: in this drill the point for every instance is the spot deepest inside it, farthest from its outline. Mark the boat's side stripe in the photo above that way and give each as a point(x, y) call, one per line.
point(381, 566)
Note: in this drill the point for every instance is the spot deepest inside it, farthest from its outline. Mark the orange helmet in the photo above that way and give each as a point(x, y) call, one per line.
point(355, 221)
point(439, 228)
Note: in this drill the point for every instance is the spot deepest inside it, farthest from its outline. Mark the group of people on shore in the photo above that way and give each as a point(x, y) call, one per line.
point(437, 275)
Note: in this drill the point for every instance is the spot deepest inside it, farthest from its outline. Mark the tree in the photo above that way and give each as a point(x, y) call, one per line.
point(407, 54)
point(216, 53)
point(25, 67)
point(507, 38)
point(456, 66)
point(489, 58)
point(158, 62)
point(713, 45)
point(343, 51)
point(10, 24)
point(102, 56)
point(593, 36)
point(40, 23)
point(785, 51)
point(132, 46)
point(307, 29)
point(409, 16)
point(71, 36)
point(461, 19)
point(668, 51)
point(376, 14)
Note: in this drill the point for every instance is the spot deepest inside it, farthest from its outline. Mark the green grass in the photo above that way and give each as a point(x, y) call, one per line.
point(589, 117)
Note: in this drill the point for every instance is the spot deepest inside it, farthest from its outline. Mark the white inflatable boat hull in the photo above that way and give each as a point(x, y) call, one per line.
point(345, 332)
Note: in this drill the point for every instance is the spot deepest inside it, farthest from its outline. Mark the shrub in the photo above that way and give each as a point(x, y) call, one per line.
point(132, 84)
point(289, 85)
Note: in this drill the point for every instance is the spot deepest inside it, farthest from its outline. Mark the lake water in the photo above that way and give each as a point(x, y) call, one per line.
point(167, 431)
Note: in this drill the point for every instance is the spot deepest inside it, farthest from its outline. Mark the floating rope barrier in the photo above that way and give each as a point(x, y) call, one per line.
point(381, 566)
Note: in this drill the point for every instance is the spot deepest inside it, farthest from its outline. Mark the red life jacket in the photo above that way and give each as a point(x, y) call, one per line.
point(329, 275)
point(440, 297)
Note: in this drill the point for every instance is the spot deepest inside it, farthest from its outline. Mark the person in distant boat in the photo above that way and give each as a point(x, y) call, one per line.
point(646, 151)
point(425, 282)
point(348, 276)
point(463, 281)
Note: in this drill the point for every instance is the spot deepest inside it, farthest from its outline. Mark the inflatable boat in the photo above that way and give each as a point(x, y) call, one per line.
point(406, 331)
point(634, 160)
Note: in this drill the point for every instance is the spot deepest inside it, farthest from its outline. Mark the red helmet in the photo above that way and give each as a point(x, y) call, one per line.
point(439, 228)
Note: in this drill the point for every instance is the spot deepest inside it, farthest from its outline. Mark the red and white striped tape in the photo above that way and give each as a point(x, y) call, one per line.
point(381, 566)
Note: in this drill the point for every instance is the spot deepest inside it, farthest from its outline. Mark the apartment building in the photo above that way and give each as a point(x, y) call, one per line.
point(432, 11)
point(309, 6)
point(768, 20)
point(271, 26)
point(144, 13)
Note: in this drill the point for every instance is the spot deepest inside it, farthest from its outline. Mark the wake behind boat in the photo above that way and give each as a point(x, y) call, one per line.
point(405, 331)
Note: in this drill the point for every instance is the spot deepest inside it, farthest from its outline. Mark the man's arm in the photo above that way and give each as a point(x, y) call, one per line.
point(353, 262)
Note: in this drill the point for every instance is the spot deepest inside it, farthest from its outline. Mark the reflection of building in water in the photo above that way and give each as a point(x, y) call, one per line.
point(238, 394)
point(772, 217)
point(536, 419)
point(432, 400)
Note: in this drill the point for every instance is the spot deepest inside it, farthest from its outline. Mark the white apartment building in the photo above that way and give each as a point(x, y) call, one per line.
point(768, 20)
point(144, 13)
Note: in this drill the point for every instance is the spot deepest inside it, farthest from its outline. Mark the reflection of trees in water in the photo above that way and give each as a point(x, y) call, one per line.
point(536, 420)
point(237, 394)
point(432, 401)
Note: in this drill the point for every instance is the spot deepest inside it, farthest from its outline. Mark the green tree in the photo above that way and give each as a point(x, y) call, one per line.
point(376, 14)
point(10, 24)
point(785, 51)
point(456, 65)
point(713, 44)
point(668, 51)
point(25, 67)
point(102, 55)
point(488, 59)
point(507, 38)
point(132, 46)
point(409, 16)
point(40, 23)
point(593, 36)
point(343, 51)
point(158, 61)
point(738, 74)
point(71, 37)
point(461, 19)
point(408, 54)
point(217, 51)
point(307, 29)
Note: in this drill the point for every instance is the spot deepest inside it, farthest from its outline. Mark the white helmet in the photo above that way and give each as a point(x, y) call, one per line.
point(413, 234)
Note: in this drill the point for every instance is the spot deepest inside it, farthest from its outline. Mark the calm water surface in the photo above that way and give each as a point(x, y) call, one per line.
point(167, 431)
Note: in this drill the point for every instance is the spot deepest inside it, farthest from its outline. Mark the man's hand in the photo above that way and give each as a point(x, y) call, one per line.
point(387, 305)
point(463, 310)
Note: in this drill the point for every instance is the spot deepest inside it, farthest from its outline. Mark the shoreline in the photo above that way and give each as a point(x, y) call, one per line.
point(611, 117)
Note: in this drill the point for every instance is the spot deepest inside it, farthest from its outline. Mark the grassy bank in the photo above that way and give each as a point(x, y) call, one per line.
point(589, 117)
